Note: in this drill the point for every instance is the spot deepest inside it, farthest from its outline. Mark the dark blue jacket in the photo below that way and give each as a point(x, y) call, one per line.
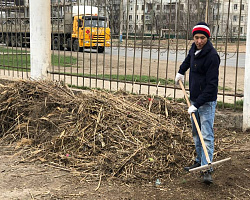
point(203, 74)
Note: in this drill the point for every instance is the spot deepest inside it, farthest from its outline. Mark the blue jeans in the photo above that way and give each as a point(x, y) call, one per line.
point(205, 118)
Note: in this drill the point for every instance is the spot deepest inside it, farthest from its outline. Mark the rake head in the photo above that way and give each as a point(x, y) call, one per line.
point(209, 166)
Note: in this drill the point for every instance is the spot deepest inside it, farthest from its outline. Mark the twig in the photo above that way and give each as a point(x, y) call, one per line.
point(242, 187)
point(150, 103)
point(98, 186)
point(32, 197)
point(166, 109)
point(58, 167)
point(97, 122)
point(126, 160)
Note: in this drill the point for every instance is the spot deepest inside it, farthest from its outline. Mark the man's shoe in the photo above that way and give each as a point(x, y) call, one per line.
point(207, 177)
point(196, 164)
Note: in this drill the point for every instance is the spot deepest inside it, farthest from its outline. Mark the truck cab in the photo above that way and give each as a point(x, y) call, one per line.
point(90, 31)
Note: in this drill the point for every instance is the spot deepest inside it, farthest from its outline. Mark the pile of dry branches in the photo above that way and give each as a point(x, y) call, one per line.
point(97, 133)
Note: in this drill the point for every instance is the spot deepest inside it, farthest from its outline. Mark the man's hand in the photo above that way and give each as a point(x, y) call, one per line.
point(179, 77)
point(192, 109)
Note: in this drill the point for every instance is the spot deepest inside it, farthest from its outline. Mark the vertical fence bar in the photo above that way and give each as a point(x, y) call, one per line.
point(2, 40)
point(133, 69)
point(83, 53)
point(19, 40)
point(71, 47)
point(64, 41)
point(104, 57)
point(52, 39)
point(159, 47)
point(142, 44)
point(168, 46)
point(78, 40)
point(187, 33)
point(126, 45)
point(111, 45)
point(2, 63)
point(119, 43)
point(225, 62)
point(150, 55)
point(12, 42)
point(58, 40)
point(177, 40)
point(27, 40)
point(91, 40)
point(217, 24)
point(237, 57)
point(96, 66)
point(16, 65)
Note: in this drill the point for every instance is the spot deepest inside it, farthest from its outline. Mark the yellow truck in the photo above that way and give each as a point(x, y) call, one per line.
point(79, 28)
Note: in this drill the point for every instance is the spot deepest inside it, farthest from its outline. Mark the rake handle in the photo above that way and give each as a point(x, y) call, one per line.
point(196, 124)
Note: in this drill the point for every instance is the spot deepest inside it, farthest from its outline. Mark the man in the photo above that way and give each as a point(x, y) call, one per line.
point(203, 62)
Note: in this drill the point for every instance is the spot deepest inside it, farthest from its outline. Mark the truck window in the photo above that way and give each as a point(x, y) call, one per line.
point(80, 24)
point(95, 23)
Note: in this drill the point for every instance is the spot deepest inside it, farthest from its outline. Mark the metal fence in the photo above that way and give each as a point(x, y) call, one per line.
point(135, 46)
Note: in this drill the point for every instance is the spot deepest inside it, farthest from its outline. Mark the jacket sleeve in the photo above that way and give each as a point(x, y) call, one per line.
point(212, 79)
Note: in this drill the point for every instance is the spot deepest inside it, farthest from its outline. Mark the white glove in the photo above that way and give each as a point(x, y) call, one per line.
point(179, 77)
point(192, 109)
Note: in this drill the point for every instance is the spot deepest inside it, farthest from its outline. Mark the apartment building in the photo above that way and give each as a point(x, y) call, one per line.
point(235, 17)
point(159, 16)
point(227, 18)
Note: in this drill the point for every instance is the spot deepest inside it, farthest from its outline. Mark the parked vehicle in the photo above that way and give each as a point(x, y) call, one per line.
point(79, 28)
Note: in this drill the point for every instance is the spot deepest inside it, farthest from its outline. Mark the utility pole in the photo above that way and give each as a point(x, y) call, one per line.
point(246, 103)
point(40, 38)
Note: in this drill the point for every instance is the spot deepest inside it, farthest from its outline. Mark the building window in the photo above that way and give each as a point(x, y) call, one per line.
point(216, 17)
point(234, 29)
point(137, 7)
point(217, 6)
point(242, 18)
point(137, 17)
point(235, 6)
point(234, 18)
point(150, 7)
point(142, 17)
point(241, 30)
point(142, 7)
point(130, 17)
point(182, 7)
point(158, 7)
point(149, 27)
point(242, 7)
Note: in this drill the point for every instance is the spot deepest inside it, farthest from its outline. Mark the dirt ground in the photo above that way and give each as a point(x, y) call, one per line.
point(33, 179)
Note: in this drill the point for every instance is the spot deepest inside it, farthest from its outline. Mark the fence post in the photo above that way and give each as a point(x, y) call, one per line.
point(40, 38)
point(246, 104)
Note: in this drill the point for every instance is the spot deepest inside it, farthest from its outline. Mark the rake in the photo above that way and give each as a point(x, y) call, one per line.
point(210, 164)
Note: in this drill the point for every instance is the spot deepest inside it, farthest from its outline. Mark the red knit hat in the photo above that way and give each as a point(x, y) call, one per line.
point(202, 28)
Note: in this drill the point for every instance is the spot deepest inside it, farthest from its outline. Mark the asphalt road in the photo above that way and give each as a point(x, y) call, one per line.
point(231, 58)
